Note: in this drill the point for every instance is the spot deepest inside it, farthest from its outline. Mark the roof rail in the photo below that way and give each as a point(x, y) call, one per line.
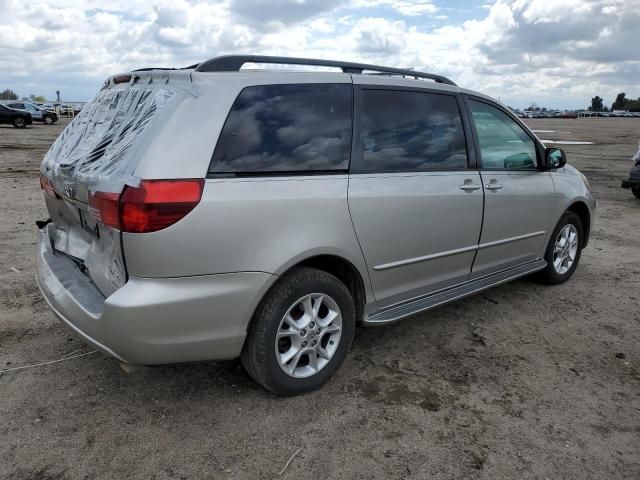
point(233, 63)
point(146, 69)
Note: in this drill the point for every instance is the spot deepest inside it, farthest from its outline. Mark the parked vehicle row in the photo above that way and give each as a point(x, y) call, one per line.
point(41, 114)
point(611, 114)
point(574, 114)
point(48, 113)
point(60, 109)
point(546, 114)
point(63, 108)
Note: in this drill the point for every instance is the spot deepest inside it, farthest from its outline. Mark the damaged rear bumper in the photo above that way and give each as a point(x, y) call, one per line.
point(153, 320)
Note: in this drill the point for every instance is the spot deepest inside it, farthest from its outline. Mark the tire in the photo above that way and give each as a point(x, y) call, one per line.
point(636, 191)
point(19, 122)
point(47, 120)
point(262, 356)
point(554, 274)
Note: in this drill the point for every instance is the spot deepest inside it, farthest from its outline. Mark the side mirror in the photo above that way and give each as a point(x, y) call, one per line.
point(554, 158)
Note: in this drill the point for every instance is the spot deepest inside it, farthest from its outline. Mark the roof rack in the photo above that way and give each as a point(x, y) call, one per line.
point(233, 63)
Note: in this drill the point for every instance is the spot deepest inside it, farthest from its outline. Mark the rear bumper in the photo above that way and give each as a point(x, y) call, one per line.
point(153, 320)
point(631, 183)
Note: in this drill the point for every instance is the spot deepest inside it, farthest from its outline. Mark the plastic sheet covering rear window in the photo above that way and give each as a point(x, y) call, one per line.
point(99, 148)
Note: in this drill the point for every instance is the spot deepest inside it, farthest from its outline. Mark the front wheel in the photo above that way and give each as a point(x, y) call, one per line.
point(19, 122)
point(564, 250)
point(300, 333)
point(636, 191)
point(48, 120)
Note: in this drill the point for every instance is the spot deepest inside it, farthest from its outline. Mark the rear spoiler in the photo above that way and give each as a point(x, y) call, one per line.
point(149, 75)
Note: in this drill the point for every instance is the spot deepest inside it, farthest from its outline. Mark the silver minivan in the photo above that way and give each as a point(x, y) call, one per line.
point(216, 212)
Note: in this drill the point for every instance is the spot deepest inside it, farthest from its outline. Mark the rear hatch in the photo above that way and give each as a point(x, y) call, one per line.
point(99, 152)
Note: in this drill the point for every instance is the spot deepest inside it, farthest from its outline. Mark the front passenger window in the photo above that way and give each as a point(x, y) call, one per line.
point(503, 143)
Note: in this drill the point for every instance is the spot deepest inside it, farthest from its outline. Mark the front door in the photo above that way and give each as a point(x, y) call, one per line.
point(519, 197)
point(416, 206)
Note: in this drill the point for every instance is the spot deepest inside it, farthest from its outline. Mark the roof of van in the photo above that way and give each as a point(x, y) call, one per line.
point(370, 74)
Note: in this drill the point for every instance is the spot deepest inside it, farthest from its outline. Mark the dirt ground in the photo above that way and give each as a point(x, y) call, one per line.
point(522, 381)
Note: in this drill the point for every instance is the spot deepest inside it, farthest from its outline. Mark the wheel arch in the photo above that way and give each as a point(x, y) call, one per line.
point(334, 264)
point(582, 210)
point(344, 271)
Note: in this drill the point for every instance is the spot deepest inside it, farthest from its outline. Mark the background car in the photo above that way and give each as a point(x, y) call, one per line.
point(65, 109)
point(46, 116)
point(17, 118)
point(633, 182)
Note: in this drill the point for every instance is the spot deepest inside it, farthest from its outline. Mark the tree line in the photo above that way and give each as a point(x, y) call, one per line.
point(9, 94)
point(621, 103)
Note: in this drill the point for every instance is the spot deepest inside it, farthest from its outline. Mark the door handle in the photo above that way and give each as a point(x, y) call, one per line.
point(493, 185)
point(469, 186)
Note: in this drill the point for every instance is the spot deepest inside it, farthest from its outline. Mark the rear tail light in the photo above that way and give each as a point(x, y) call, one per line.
point(149, 207)
point(46, 186)
point(105, 207)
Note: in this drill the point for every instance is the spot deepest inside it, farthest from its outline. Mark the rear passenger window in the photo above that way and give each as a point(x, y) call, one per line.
point(285, 128)
point(410, 131)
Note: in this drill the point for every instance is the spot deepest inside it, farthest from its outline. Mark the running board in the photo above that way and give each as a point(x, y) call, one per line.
point(420, 304)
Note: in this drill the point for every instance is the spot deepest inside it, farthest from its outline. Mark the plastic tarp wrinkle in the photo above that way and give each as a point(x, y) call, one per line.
point(96, 149)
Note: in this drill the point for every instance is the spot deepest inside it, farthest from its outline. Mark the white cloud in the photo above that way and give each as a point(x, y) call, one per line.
point(379, 36)
point(415, 8)
point(409, 8)
point(563, 52)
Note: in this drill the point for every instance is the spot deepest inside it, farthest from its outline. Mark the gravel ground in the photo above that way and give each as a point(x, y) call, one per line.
point(521, 381)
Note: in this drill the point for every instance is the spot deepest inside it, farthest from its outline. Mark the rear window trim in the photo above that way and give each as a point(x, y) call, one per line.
point(285, 173)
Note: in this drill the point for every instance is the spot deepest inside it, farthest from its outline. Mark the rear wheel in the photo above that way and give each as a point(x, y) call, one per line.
point(300, 333)
point(636, 191)
point(19, 122)
point(564, 250)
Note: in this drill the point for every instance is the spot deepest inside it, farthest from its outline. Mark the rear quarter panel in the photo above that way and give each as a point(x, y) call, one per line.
point(252, 225)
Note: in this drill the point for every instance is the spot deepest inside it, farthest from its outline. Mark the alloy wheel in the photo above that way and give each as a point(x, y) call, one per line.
point(565, 249)
point(308, 335)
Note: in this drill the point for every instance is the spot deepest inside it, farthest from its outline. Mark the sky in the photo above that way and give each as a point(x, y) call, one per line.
point(556, 53)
